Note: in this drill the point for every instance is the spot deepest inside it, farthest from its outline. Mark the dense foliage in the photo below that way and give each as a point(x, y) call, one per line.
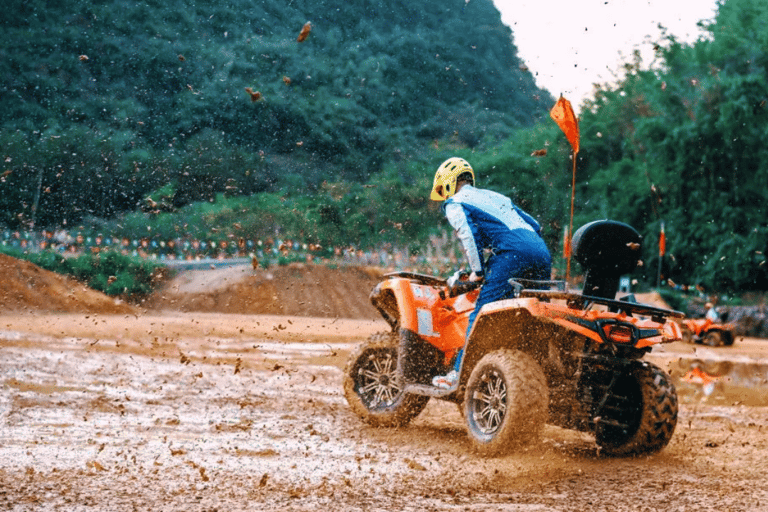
point(105, 102)
point(684, 144)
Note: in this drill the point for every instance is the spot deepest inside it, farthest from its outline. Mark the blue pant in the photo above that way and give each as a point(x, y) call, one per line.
point(500, 268)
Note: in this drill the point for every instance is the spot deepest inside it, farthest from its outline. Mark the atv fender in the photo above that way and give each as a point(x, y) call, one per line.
point(517, 324)
point(542, 328)
point(418, 308)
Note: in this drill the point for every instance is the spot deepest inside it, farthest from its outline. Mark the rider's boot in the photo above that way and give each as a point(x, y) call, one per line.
point(446, 381)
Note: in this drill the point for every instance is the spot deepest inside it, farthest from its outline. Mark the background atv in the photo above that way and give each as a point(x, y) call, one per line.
point(545, 355)
point(705, 332)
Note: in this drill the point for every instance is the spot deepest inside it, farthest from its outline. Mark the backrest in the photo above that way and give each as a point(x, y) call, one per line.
point(606, 249)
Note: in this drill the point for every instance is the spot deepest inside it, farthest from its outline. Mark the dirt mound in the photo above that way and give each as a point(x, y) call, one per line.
point(297, 290)
point(27, 287)
point(652, 299)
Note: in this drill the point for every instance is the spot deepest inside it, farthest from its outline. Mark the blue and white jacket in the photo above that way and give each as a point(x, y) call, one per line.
point(484, 219)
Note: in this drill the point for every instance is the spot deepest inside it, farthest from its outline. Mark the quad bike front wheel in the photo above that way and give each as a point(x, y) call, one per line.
point(371, 385)
point(506, 402)
point(640, 414)
point(687, 334)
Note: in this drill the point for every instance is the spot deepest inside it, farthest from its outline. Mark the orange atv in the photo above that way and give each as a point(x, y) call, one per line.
point(706, 332)
point(544, 355)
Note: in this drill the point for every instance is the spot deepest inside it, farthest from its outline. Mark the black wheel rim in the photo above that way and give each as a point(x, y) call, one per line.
point(377, 380)
point(488, 403)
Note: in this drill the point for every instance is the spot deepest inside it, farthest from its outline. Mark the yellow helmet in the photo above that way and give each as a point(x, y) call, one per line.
point(445, 178)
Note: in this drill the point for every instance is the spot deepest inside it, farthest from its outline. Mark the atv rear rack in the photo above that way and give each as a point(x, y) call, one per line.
point(627, 304)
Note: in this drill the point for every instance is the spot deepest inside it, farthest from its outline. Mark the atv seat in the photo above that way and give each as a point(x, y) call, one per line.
point(606, 250)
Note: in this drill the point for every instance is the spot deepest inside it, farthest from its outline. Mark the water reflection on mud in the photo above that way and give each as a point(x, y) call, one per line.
point(720, 381)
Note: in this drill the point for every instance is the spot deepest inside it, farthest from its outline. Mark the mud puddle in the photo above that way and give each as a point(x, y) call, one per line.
point(719, 376)
point(721, 382)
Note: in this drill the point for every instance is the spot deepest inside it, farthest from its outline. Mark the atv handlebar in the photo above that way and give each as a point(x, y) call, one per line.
point(463, 287)
point(459, 288)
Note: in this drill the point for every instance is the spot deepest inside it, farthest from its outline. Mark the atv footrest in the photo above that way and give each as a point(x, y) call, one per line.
point(426, 390)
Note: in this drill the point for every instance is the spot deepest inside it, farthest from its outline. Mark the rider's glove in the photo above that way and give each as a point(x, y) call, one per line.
point(457, 276)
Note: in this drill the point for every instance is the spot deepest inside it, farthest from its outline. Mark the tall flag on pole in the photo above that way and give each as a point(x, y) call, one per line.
point(562, 114)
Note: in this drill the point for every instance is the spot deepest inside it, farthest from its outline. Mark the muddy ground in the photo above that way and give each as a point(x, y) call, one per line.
point(169, 410)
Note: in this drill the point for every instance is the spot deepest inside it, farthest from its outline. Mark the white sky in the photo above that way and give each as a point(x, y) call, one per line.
point(570, 44)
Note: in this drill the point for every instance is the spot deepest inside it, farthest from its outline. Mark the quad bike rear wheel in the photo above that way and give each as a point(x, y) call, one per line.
point(687, 334)
point(506, 402)
point(640, 414)
point(371, 386)
point(712, 339)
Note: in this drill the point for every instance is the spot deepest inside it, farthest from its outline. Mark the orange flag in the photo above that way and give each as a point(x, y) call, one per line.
point(562, 114)
point(662, 241)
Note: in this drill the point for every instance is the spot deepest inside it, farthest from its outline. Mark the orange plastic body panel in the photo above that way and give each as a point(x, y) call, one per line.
point(443, 322)
point(568, 318)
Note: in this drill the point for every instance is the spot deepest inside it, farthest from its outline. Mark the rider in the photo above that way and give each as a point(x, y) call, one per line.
point(712, 316)
point(484, 219)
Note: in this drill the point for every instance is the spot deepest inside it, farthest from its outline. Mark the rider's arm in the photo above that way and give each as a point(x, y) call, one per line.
point(458, 220)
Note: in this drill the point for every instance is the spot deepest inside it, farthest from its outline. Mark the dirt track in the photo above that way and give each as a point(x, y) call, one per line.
point(202, 412)
point(164, 410)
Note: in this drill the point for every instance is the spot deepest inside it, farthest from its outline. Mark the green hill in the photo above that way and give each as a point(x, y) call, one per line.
point(105, 102)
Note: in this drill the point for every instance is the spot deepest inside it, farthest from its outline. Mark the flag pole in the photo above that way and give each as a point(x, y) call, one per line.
point(570, 224)
point(662, 251)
